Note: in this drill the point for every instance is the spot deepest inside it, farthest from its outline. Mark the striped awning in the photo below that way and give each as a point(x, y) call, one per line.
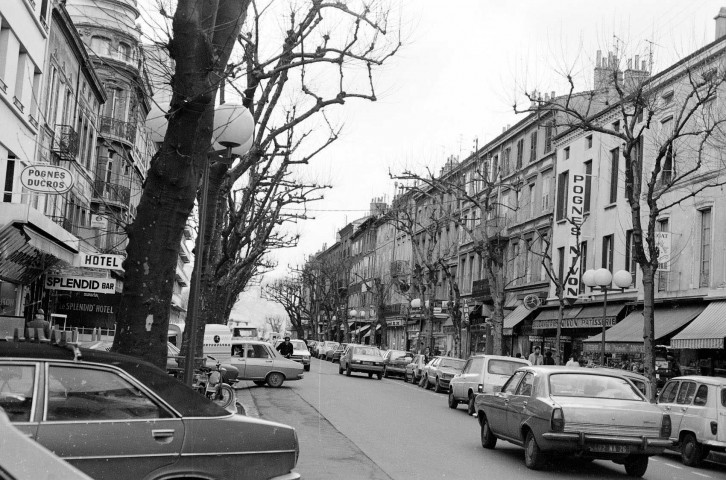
point(517, 315)
point(25, 254)
point(706, 331)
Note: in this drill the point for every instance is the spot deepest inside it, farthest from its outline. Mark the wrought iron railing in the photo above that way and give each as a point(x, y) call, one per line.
point(119, 129)
point(66, 142)
point(112, 192)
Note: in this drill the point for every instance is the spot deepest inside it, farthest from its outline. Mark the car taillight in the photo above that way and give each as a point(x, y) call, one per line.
point(557, 422)
point(480, 388)
point(714, 427)
point(665, 427)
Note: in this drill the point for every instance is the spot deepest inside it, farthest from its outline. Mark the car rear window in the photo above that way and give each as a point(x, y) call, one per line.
point(593, 386)
point(503, 367)
point(400, 354)
point(452, 363)
point(366, 351)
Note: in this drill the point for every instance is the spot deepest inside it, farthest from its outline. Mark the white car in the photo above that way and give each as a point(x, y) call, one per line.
point(259, 361)
point(481, 374)
point(300, 353)
point(323, 347)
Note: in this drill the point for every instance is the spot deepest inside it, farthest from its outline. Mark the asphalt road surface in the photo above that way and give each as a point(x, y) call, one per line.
point(359, 428)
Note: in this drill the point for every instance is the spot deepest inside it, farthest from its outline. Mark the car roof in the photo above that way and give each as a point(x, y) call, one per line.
point(702, 379)
point(501, 357)
point(180, 396)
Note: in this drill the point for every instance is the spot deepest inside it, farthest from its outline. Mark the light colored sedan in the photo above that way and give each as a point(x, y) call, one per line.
point(482, 374)
point(361, 358)
point(587, 413)
point(259, 362)
point(440, 371)
point(300, 353)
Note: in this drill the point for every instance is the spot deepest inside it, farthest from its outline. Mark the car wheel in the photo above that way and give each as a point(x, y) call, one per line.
point(385, 372)
point(348, 371)
point(340, 369)
point(533, 456)
point(275, 379)
point(259, 383)
point(453, 402)
point(691, 451)
point(636, 465)
point(488, 439)
point(370, 375)
point(437, 386)
point(306, 368)
point(470, 405)
point(379, 375)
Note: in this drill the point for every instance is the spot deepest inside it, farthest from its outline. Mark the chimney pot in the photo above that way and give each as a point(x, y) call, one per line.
point(644, 66)
point(637, 61)
point(720, 23)
point(630, 63)
point(552, 95)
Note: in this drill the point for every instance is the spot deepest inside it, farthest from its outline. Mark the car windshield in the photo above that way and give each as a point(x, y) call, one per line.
point(396, 354)
point(593, 386)
point(367, 351)
point(503, 367)
point(452, 363)
point(298, 345)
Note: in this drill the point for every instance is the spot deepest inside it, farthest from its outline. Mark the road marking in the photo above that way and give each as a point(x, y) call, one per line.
point(674, 466)
point(701, 474)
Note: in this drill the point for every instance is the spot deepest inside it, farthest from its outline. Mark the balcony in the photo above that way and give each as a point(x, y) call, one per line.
point(119, 129)
point(398, 267)
point(65, 142)
point(112, 192)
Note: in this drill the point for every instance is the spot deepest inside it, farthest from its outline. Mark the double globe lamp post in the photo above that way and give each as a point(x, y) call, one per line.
point(603, 279)
point(233, 132)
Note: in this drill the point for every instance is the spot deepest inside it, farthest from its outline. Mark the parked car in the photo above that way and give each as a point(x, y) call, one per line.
point(697, 406)
point(440, 371)
point(640, 381)
point(300, 353)
point(589, 413)
point(260, 362)
point(334, 355)
point(312, 347)
point(361, 358)
point(481, 374)
point(22, 458)
point(395, 361)
point(415, 368)
point(118, 417)
point(323, 348)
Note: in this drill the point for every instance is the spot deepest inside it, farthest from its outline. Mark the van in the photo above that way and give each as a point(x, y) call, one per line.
point(481, 374)
point(217, 342)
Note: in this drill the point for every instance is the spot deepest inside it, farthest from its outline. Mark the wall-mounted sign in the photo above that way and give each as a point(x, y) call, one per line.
point(99, 221)
point(663, 242)
point(99, 260)
point(46, 179)
point(80, 284)
point(531, 301)
point(575, 218)
point(589, 322)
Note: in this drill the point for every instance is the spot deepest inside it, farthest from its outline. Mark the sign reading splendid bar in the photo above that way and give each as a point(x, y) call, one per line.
point(574, 323)
point(80, 284)
point(99, 260)
point(46, 179)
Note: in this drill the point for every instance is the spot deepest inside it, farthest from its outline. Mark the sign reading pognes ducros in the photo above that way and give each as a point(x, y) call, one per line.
point(80, 284)
point(46, 179)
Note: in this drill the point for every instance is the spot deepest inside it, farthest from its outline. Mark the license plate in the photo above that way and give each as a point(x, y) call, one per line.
point(367, 363)
point(609, 448)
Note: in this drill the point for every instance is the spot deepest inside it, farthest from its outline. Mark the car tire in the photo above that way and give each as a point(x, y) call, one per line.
point(533, 456)
point(340, 369)
point(348, 371)
point(370, 375)
point(691, 451)
point(488, 439)
point(306, 368)
point(437, 385)
point(470, 405)
point(379, 375)
point(453, 402)
point(259, 383)
point(275, 379)
point(636, 465)
point(385, 372)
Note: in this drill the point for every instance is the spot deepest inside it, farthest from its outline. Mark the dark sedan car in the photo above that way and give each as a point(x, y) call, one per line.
point(395, 361)
point(117, 417)
point(440, 371)
point(589, 413)
point(334, 355)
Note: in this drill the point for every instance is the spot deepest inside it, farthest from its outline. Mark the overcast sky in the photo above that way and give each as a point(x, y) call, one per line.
point(462, 65)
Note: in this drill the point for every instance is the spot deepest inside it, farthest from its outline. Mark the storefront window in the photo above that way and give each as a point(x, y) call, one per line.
point(8, 296)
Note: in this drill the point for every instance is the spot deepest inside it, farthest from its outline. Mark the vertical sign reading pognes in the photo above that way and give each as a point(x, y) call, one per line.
point(575, 218)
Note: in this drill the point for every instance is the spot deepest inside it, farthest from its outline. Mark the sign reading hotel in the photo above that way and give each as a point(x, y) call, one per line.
point(575, 215)
point(80, 284)
point(588, 322)
point(663, 242)
point(99, 260)
point(46, 179)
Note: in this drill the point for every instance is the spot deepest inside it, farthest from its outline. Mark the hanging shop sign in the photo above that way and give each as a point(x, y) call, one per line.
point(575, 218)
point(663, 243)
point(99, 260)
point(531, 301)
point(395, 323)
point(99, 221)
point(46, 179)
point(80, 284)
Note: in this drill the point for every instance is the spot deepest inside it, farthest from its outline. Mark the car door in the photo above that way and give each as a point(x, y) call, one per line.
point(258, 361)
point(19, 393)
point(689, 415)
point(497, 414)
point(105, 423)
point(667, 401)
point(459, 381)
point(517, 410)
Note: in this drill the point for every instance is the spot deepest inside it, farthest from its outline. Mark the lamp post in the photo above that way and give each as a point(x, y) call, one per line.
point(352, 314)
point(602, 278)
point(233, 128)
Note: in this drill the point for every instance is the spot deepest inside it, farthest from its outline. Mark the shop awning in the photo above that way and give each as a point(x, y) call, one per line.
point(667, 320)
point(360, 330)
point(517, 315)
point(706, 331)
point(595, 311)
point(368, 334)
point(548, 318)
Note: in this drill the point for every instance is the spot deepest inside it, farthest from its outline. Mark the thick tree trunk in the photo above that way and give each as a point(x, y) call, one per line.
point(649, 324)
point(204, 35)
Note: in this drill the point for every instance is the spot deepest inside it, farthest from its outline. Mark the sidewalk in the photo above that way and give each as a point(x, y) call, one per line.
point(245, 402)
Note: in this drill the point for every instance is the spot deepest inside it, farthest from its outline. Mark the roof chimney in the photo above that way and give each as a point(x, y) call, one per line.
point(720, 23)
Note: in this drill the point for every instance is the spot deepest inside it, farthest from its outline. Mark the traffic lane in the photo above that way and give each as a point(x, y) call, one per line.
point(421, 434)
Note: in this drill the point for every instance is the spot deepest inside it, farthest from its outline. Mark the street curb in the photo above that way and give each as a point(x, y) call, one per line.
point(245, 400)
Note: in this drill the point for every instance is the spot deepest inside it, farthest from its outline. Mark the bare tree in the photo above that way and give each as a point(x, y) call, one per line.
point(288, 292)
point(669, 132)
point(276, 323)
point(326, 277)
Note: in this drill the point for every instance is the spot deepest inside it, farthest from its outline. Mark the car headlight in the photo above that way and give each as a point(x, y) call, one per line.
point(356, 361)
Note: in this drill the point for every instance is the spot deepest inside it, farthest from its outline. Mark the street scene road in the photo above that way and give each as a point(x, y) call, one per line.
point(388, 429)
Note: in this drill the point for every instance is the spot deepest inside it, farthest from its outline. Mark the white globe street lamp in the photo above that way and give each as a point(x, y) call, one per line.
point(233, 128)
point(416, 303)
point(602, 278)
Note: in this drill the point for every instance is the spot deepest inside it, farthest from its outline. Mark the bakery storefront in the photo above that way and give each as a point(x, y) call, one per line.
point(579, 323)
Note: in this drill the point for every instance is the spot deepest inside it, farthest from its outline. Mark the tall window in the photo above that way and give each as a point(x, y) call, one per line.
point(614, 158)
point(588, 185)
point(533, 146)
point(520, 153)
point(669, 160)
point(505, 161)
point(583, 264)
point(548, 138)
point(100, 45)
point(9, 176)
point(527, 260)
point(705, 276)
point(662, 273)
point(630, 264)
point(607, 252)
point(588, 142)
point(531, 199)
point(562, 188)
point(515, 261)
point(545, 191)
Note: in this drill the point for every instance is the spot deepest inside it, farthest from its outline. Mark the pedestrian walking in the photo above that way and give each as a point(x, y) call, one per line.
point(548, 360)
point(285, 348)
point(535, 358)
point(40, 323)
point(572, 362)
